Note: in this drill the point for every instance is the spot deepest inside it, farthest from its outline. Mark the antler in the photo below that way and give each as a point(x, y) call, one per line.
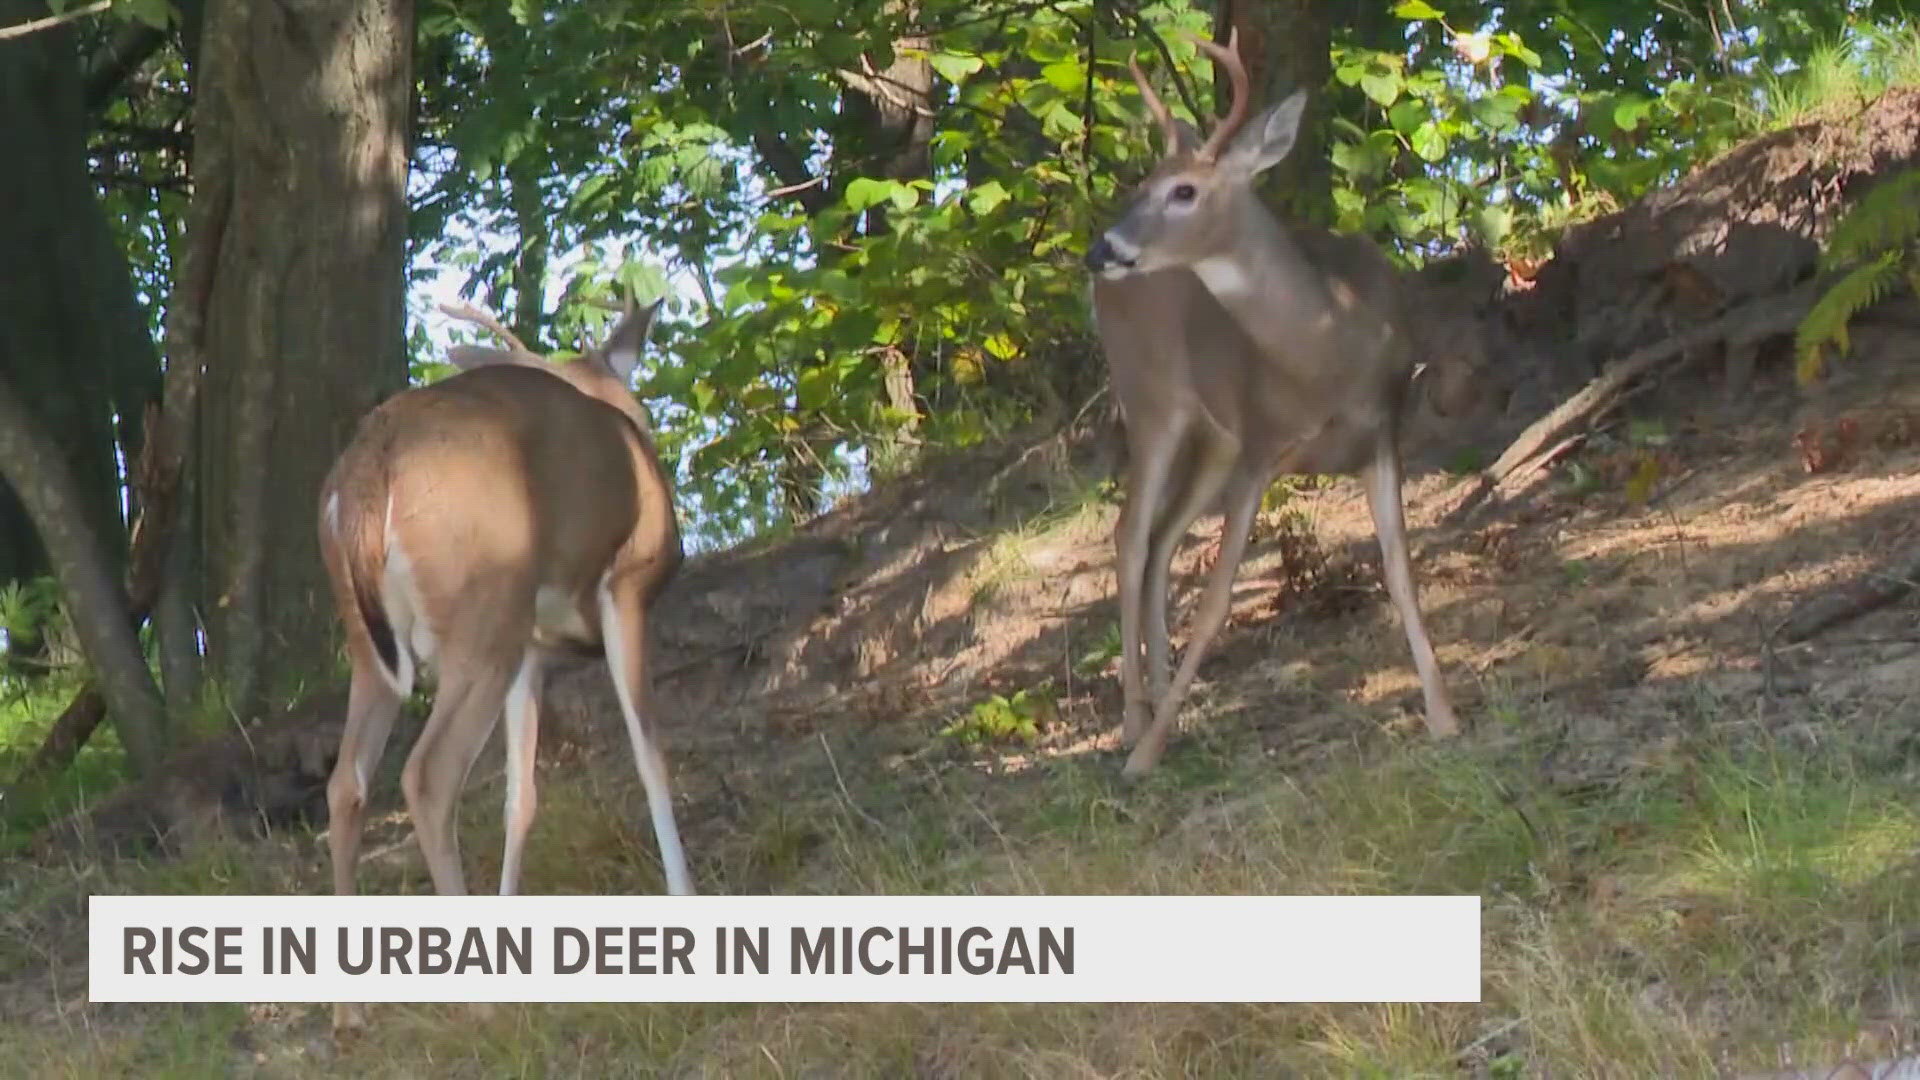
point(1155, 106)
point(1228, 57)
point(468, 313)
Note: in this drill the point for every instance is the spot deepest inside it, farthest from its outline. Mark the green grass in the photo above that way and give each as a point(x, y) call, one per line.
point(28, 709)
point(1736, 896)
point(1842, 76)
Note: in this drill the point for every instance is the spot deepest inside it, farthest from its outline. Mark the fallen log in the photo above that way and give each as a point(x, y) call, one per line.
point(1749, 324)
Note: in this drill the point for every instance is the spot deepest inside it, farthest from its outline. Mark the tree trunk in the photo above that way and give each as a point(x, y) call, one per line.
point(530, 257)
point(301, 116)
point(74, 349)
point(73, 339)
point(31, 464)
point(1287, 46)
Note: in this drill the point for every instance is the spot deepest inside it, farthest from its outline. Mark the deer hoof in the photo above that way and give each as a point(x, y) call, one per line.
point(349, 1022)
point(1443, 725)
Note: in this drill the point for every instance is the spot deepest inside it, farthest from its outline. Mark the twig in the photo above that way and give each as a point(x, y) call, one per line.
point(468, 313)
point(794, 189)
point(844, 793)
point(51, 21)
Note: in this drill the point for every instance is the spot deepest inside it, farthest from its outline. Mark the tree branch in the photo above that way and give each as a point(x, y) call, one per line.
point(790, 169)
point(107, 69)
point(51, 21)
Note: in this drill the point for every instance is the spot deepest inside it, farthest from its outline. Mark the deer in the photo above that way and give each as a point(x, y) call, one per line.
point(1239, 349)
point(472, 529)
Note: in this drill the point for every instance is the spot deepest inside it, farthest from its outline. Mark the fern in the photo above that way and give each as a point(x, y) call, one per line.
point(1887, 218)
point(1826, 325)
point(1874, 245)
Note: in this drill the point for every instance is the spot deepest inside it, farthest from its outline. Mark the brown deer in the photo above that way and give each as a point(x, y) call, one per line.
point(473, 528)
point(1239, 350)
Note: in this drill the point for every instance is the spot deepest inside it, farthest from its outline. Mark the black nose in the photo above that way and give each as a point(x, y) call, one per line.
point(1099, 255)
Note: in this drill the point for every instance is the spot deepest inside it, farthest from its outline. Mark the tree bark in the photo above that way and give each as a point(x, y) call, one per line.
point(301, 116)
point(1287, 45)
point(31, 464)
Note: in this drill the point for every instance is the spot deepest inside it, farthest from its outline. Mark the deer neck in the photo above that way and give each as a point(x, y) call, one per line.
point(1268, 284)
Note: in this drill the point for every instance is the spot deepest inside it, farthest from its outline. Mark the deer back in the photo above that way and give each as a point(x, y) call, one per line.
point(492, 500)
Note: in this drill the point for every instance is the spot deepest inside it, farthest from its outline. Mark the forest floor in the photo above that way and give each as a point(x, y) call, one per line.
point(1698, 844)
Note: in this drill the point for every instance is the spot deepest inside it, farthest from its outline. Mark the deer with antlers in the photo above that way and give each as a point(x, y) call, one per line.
point(474, 527)
point(1240, 349)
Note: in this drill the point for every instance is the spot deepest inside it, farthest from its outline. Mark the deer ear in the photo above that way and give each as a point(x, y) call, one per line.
point(468, 357)
point(1268, 138)
point(622, 348)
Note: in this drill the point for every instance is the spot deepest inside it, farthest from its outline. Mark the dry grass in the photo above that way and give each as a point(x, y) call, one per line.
point(1735, 897)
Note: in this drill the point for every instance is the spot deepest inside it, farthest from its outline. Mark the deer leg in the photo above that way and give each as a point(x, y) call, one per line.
point(1243, 501)
point(1149, 463)
point(1212, 464)
point(523, 739)
point(372, 705)
point(623, 627)
point(1389, 524)
point(466, 707)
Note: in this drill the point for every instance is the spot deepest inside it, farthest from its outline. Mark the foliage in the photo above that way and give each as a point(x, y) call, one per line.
point(29, 609)
point(1872, 249)
point(843, 292)
point(1002, 719)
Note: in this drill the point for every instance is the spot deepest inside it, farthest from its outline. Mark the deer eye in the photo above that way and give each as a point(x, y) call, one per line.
point(1183, 193)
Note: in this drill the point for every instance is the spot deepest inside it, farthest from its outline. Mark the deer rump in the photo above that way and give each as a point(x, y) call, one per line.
point(441, 521)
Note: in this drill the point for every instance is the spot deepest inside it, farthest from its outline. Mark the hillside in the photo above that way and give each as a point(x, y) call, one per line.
point(1698, 838)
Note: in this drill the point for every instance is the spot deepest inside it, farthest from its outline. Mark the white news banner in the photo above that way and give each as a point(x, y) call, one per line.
point(784, 948)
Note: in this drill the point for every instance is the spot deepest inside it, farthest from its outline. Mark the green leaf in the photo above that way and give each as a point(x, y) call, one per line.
point(1416, 9)
point(815, 388)
point(955, 67)
point(1428, 142)
point(1630, 111)
point(1495, 224)
point(983, 198)
point(865, 191)
point(1383, 86)
point(1356, 159)
point(1001, 346)
point(1407, 115)
point(1510, 44)
point(1065, 76)
point(157, 14)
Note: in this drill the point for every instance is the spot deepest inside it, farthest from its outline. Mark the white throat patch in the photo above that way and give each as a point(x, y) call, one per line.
point(1224, 277)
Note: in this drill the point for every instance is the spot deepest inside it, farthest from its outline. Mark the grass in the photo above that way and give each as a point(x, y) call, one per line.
point(1842, 76)
point(28, 709)
point(1734, 897)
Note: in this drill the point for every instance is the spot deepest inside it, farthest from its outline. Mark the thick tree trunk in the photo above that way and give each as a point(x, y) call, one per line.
point(74, 350)
point(301, 114)
point(1287, 46)
point(73, 340)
